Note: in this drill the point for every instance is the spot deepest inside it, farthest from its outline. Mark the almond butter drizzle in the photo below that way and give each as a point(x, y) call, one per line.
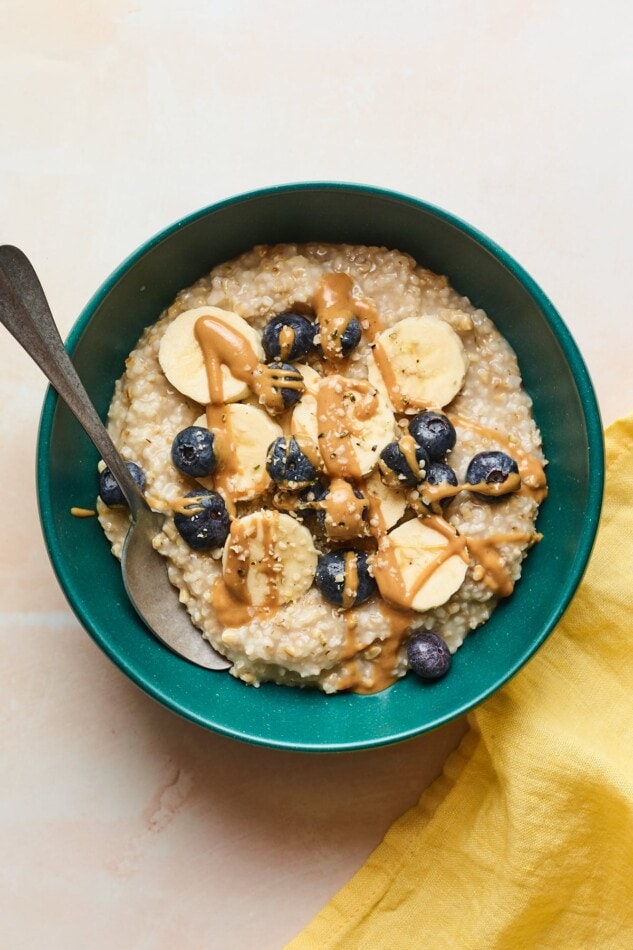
point(369, 317)
point(218, 422)
point(341, 404)
point(350, 580)
point(408, 446)
point(496, 575)
point(83, 512)
point(533, 478)
point(344, 511)
point(433, 494)
point(383, 665)
point(229, 610)
point(388, 377)
point(286, 342)
point(335, 308)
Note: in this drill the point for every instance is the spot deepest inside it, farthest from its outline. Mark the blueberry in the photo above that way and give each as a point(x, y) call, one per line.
point(203, 523)
point(193, 453)
point(296, 342)
point(439, 473)
point(312, 495)
point(491, 468)
point(393, 463)
point(349, 340)
point(290, 393)
point(337, 584)
point(288, 464)
point(434, 432)
point(351, 336)
point(428, 656)
point(109, 491)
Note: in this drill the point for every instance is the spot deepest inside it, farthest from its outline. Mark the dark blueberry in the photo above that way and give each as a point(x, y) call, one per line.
point(439, 473)
point(350, 337)
point(192, 452)
point(288, 465)
point(394, 465)
point(434, 432)
point(203, 523)
point(299, 337)
point(491, 468)
point(109, 491)
point(313, 494)
point(336, 578)
point(291, 392)
point(428, 656)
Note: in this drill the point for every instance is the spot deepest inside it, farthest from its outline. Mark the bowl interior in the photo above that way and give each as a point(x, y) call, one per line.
point(554, 375)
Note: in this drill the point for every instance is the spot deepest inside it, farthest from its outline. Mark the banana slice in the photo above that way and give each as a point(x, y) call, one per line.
point(311, 378)
point(246, 434)
point(269, 559)
point(304, 418)
point(418, 567)
point(350, 422)
point(355, 423)
point(420, 362)
point(304, 415)
point(386, 506)
point(182, 361)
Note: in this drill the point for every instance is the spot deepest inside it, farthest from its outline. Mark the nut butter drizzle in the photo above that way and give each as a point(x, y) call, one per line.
point(494, 572)
point(533, 478)
point(433, 494)
point(350, 580)
point(286, 341)
point(336, 307)
point(408, 446)
point(389, 378)
point(344, 511)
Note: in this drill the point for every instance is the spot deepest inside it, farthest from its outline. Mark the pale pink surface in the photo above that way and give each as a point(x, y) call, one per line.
point(121, 825)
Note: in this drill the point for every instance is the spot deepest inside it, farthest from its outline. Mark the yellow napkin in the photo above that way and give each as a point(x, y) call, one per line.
point(526, 841)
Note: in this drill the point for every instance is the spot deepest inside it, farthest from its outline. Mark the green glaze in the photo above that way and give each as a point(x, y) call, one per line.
point(554, 374)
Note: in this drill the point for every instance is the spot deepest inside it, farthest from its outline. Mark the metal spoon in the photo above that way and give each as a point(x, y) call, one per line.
point(25, 313)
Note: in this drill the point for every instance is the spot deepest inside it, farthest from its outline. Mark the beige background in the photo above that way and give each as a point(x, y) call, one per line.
point(120, 825)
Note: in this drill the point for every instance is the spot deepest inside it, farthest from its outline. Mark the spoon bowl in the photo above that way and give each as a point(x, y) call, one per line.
point(25, 313)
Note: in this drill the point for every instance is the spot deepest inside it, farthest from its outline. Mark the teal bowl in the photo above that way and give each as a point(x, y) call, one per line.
point(564, 406)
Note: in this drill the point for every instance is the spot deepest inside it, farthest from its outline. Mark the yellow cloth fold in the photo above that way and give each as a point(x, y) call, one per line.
point(526, 840)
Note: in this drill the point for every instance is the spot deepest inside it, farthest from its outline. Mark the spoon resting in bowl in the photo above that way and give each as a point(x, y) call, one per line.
point(24, 311)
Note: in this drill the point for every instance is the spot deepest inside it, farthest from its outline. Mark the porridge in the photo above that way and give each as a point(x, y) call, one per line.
point(347, 457)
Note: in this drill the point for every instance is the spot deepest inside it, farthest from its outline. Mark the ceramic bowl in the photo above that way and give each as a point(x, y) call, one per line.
point(554, 375)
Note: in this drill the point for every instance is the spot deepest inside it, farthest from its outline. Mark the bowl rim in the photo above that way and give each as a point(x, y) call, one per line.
point(588, 400)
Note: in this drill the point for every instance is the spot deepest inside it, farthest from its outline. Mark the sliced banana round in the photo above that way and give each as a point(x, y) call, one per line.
point(350, 422)
point(269, 559)
point(304, 415)
point(182, 361)
point(247, 434)
point(418, 567)
point(311, 378)
point(420, 362)
point(304, 418)
point(386, 506)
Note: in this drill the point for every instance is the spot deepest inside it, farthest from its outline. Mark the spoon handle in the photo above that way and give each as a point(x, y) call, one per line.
point(25, 313)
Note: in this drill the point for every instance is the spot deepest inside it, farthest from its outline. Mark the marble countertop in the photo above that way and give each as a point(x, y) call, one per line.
point(120, 824)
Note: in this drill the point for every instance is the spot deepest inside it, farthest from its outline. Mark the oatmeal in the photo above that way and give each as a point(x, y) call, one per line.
point(347, 458)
